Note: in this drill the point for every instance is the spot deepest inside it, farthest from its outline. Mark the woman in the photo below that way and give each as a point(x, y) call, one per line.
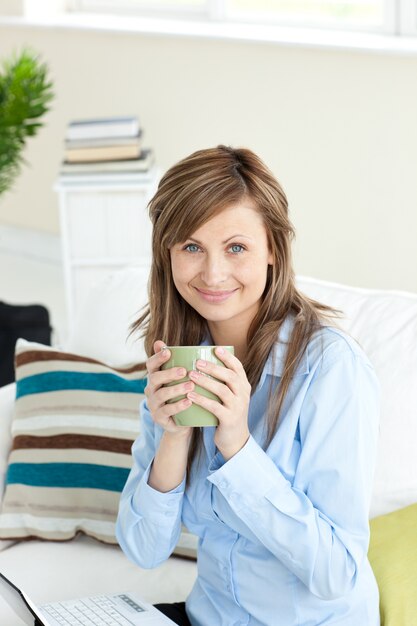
point(278, 493)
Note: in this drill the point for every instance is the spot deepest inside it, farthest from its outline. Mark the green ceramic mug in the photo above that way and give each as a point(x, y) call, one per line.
point(187, 357)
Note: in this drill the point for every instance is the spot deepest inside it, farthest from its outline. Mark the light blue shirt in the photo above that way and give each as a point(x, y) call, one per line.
point(283, 533)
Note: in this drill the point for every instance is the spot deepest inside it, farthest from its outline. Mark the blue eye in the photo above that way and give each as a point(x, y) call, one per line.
point(236, 248)
point(236, 245)
point(191, 245)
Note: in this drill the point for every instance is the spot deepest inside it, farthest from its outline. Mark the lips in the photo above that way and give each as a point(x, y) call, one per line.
point(214, 296)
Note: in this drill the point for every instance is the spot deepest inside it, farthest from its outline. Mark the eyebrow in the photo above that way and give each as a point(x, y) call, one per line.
point(232, 237)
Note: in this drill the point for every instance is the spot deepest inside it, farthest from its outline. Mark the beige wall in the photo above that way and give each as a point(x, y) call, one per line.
point(337, 128)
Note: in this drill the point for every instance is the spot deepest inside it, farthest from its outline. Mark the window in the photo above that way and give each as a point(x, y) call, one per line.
point(357, 14)
point(395, 17)
point(158, 8)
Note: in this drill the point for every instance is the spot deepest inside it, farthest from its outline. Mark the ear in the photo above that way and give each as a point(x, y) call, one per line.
point(270, 259)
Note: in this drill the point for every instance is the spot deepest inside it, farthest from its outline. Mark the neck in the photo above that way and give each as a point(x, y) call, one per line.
point(223, 335)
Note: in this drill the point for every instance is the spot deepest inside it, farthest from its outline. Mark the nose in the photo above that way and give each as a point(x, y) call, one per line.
point(214, 271)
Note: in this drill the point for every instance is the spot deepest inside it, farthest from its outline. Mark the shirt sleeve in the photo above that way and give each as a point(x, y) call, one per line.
point(149, 522)
point(318, 524)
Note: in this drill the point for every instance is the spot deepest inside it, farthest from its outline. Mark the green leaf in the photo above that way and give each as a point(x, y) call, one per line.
point(25, 92)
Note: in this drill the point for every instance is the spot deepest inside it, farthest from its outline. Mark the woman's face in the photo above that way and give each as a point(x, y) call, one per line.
point(221, 269)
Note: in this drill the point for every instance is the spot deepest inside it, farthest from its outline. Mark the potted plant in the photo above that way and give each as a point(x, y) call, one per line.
point(25, 91)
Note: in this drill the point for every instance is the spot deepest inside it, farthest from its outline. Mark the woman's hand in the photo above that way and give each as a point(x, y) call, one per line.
point(233, 389)
point(157, 395)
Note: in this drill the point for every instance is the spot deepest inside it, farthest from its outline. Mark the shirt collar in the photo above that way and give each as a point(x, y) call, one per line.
point(274, 365)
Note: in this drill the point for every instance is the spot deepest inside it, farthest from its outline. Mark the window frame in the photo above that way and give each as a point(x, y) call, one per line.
point(157, 9)
point(407, 18)
point(400, 15)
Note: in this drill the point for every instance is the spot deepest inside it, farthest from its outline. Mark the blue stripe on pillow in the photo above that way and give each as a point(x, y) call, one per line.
point(72, 475)
point(55, 381)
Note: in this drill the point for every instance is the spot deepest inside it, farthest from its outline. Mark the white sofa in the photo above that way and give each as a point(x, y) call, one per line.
point(384, 322)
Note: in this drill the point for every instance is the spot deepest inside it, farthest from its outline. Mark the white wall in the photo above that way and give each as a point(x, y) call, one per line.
point(337, 128)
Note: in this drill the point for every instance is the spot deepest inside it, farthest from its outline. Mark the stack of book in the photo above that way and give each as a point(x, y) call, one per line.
point(104, 146)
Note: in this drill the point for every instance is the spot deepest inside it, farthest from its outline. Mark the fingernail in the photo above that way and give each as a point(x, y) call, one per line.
point(201, 363)
point(181, 371)
point(220, 350)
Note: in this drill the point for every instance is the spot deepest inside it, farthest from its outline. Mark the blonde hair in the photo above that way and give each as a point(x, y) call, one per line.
point(189, 194)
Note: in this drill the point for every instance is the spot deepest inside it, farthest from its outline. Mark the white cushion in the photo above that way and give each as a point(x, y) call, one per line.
point(7, 397)
point(101, 328)
point(385, 324)
point(49, 571)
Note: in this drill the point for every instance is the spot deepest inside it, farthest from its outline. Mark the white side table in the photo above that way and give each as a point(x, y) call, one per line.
point(104, 227)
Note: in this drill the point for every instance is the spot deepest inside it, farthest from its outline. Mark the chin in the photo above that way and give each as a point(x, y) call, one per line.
point(210, 312)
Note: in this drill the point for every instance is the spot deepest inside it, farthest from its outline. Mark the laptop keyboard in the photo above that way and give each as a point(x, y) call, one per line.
point(96, 611)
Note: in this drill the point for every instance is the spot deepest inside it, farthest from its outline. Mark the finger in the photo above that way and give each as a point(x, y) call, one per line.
point(158, 345)
point(161, 356)
point(220, 372)
point(158, 379)
point(162, 377)
point(207, 403)
point(169, 410)
point(229, 359)
point(164, 394)
point(211, 384)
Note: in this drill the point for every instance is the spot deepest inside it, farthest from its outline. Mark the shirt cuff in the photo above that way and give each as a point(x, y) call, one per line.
point(216, 463)
point(247, 477)
point(156, 505)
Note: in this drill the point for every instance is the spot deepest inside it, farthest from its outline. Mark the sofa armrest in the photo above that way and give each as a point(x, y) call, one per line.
point(7, 398)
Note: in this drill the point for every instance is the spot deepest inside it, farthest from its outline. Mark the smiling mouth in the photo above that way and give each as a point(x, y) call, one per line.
point(214, 296)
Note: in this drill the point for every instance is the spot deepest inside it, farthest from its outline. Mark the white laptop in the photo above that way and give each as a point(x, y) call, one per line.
point(124, 609)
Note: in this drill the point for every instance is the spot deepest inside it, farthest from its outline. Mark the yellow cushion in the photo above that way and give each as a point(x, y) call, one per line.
point(393, 556)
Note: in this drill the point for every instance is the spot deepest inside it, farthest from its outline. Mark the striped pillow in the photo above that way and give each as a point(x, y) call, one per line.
point(74, 423)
